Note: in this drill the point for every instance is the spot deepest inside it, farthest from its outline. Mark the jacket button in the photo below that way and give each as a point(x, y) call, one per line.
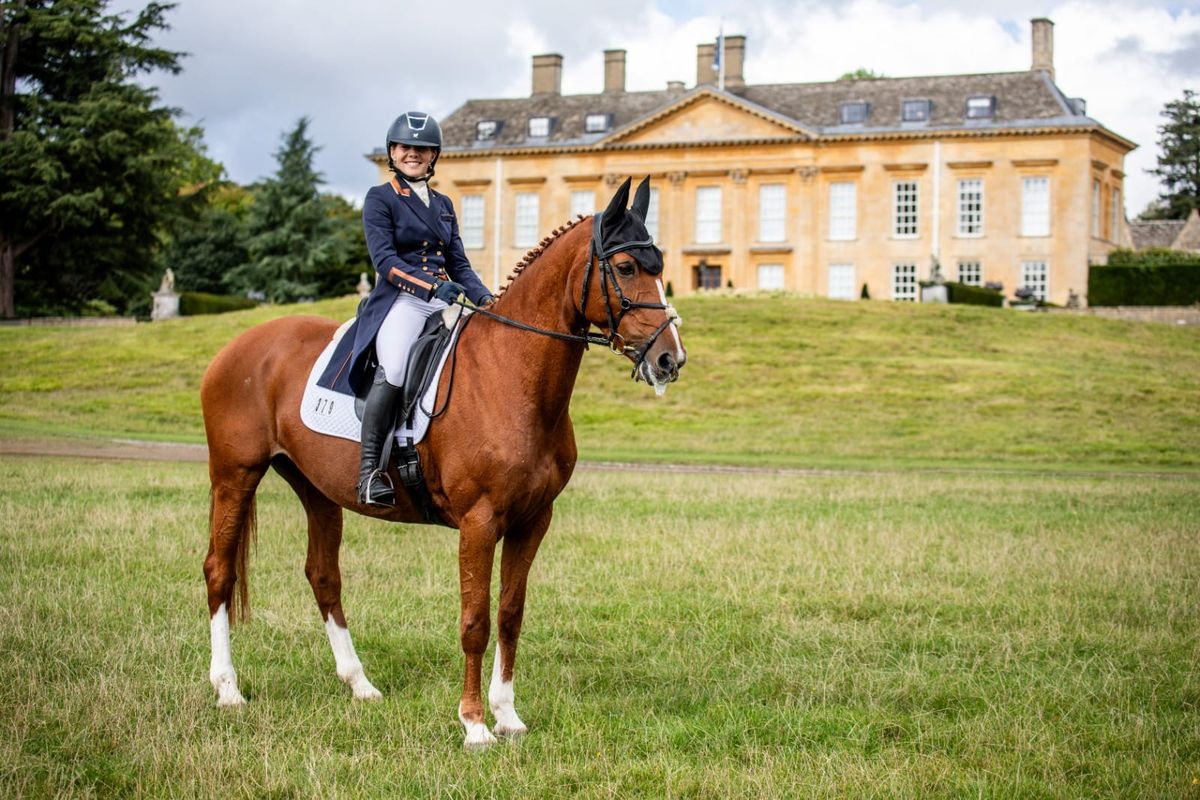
point(423, 260)
point(424, 244)
point(439, 252)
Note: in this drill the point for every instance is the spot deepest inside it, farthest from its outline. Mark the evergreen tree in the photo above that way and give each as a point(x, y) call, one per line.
point(211, 241)
point(293, 243)
point(1178, 159)
point(90, 164)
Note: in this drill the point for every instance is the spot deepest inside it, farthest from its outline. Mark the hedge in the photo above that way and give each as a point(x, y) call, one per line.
point(1156, 277)
point(973, 295)
point(193, 304)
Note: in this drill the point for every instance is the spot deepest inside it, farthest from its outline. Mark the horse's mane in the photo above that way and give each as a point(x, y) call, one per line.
point(536, 252)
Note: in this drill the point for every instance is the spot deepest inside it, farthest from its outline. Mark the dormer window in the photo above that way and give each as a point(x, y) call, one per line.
point(914, 111)
point(596, 123)
point(486, 129)
point(981, 107)
point(539, 127)
point(855, 113)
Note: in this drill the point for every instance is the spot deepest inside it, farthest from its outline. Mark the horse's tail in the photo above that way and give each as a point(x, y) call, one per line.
point(245, 533)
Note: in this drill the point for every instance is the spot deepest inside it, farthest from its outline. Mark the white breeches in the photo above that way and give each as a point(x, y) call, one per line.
point(399, 330)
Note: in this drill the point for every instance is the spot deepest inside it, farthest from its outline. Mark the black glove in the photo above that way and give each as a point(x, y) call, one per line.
point(447, 291)
point(486, 300)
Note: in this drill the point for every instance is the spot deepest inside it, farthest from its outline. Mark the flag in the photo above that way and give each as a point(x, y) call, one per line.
point(720, 49)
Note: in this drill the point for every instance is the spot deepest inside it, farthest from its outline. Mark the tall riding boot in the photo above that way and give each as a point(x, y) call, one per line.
point(379, 414)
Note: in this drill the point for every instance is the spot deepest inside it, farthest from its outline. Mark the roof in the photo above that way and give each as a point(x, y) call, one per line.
point(1026, 100)
point(1155, 233)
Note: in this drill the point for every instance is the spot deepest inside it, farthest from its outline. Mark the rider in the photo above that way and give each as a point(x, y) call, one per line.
point(412, 235)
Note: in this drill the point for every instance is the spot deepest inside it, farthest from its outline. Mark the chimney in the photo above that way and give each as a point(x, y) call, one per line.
point(547, 74)
point(705, 74)
point(614, 71)
point(1043, 46)
point(735, 55)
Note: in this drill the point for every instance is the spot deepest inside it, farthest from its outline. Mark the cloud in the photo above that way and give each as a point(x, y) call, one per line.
point(258, 66)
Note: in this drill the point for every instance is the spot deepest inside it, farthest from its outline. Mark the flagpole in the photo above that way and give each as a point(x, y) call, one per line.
point(721, 55)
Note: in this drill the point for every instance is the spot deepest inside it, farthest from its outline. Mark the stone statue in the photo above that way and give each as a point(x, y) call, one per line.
point(166, 299)
point(364, 286)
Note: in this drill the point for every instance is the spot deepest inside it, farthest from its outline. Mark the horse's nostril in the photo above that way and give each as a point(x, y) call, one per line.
point(666, 362)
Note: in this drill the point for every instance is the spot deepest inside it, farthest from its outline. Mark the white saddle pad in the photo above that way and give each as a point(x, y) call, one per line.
point(332, 413)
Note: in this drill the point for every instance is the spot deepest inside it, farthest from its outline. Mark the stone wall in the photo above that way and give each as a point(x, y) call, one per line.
point(1170, 315)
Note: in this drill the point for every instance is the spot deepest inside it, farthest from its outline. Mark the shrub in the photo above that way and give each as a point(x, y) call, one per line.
point(973, 295)
point(192, 304)
point(1155, 277)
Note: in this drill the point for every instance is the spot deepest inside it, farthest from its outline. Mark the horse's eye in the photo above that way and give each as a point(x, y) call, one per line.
point(626, 268)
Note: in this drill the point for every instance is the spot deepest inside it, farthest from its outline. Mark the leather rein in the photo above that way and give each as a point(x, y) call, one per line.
point(613, 340)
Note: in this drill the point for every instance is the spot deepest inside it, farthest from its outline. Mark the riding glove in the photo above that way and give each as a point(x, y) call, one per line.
point(447, 291)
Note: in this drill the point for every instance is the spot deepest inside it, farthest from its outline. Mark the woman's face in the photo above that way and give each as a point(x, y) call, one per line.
point(412, 160)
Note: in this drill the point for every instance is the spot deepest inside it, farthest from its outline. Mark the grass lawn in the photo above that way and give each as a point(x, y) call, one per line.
point(773, 380)
point(895, 634)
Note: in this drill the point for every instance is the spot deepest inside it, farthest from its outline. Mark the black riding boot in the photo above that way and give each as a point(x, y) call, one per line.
point(374, 486)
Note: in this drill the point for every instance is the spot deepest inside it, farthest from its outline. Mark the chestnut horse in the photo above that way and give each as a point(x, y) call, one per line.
point(494, 461)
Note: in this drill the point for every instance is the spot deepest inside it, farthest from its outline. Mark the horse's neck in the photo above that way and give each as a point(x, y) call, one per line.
point(542, 369)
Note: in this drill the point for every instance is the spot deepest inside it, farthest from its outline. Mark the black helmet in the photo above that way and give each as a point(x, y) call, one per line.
point(415, 128)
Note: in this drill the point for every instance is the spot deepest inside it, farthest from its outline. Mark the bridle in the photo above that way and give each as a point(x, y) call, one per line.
point(613, 340)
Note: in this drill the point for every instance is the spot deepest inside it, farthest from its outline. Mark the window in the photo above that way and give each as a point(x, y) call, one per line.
point(843, 211)
point(527, 220)
point(904, 282)
point(539, 126)
point(583, 202)
point(970, 273)
point(596, 123)
point(904, 209)
point(708, 215)
point(1035, 206)
point(770, 277)
point(841, 282)
point(914, 111)
point(855, 113)
point(706, 276)
point(652, 215)
point(981, 107)
point(970, 207)
point(772, 212)
point(1035, 276)
point(472, 221)
point(1096, 207)
point(1114, 215)
point(486, 129)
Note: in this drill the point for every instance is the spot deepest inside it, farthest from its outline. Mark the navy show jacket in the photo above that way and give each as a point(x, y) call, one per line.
point(412, 246)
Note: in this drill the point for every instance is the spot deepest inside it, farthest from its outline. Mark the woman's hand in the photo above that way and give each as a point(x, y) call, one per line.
point(447, 291)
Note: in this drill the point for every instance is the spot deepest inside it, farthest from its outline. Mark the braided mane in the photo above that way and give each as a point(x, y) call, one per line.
point(533, 254)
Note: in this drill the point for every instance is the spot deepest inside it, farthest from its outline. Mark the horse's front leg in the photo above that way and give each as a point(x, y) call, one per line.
point(476, 551)
point(520, 548)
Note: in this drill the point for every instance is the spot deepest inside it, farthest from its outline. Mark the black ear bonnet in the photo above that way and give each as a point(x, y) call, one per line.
point(624, 230)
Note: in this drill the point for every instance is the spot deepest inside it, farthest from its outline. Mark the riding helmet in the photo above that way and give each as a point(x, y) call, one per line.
point(415, 128)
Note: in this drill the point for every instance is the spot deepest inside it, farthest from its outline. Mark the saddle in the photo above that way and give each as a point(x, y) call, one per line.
point(423, 360)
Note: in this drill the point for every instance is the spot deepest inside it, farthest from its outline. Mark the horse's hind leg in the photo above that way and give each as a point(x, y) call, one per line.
point(324, 574)
point(231, 531)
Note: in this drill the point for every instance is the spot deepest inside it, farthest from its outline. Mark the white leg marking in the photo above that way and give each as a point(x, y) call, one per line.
point(502, 700)
point(220, 670)
point(349, 668)
point(679, 354)
point(478, 736)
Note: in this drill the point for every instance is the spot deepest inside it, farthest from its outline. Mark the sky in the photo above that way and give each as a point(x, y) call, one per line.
point(256, 66)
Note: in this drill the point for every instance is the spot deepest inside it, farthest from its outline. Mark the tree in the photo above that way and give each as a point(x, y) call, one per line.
point(861, 74)
point(90, 164)
point(211, 241)
point(1179, 157)
point(295, 244)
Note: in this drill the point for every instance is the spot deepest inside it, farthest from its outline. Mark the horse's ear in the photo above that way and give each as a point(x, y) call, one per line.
point(641, 200)
point(616, 207)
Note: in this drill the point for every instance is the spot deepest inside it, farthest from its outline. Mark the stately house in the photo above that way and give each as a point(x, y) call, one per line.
point(817, 188)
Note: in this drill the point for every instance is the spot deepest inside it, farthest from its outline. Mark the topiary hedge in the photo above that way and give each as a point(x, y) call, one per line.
point(1156, 277)
point(973, 295)
point(193, 304)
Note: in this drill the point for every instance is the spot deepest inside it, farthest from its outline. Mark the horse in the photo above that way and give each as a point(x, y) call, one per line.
point(494, 460)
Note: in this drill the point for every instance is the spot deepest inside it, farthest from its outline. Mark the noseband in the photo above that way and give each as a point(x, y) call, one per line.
point(613, 340)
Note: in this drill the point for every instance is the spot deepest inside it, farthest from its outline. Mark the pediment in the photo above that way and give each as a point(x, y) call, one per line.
point(707, 117)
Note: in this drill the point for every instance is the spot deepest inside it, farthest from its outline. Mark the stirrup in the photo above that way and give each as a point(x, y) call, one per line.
point(377, 490)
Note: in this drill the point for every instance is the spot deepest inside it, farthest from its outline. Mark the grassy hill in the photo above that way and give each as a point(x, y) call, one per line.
point(772, 380)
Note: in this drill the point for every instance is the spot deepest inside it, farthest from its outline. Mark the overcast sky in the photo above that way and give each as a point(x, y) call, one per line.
point(256, 66)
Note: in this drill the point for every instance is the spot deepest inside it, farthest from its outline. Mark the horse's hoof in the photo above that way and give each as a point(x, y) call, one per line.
point(478, 740)
point(227, 690)
point(367, 693)
point(510, 731)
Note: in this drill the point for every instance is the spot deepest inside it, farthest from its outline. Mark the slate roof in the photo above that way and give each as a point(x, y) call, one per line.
point(1155, 233)
point(1023, 100)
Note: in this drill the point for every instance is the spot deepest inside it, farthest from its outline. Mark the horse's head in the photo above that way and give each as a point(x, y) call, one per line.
point(625, 298)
